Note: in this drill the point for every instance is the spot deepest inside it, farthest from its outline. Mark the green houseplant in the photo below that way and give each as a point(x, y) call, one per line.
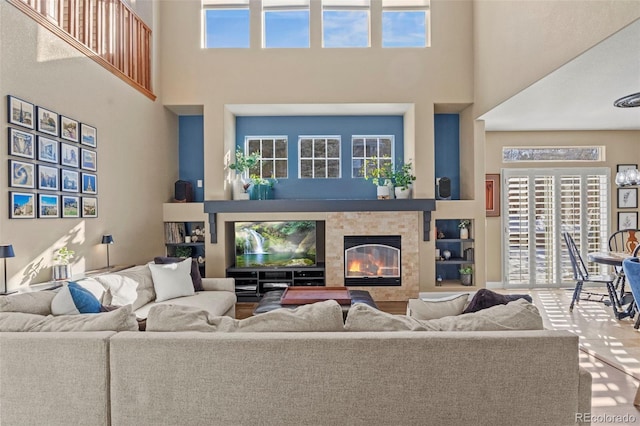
point(466, 275)
point(464, 228)
point(243, 164)
point(62, 268)
point(380, 173)
point(262, 188)
point(403, 178)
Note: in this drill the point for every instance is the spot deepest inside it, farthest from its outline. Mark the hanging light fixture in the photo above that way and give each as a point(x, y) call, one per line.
point(628, 101)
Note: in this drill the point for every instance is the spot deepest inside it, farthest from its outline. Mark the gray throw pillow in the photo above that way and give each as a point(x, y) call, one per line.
point(36, 302)
point(426, 309)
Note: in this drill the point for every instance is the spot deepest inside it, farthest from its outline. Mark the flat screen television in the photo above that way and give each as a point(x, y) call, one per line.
point(275, 244)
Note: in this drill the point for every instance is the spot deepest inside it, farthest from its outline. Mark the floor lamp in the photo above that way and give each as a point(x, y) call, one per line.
point(6, 251)
point(108, 240)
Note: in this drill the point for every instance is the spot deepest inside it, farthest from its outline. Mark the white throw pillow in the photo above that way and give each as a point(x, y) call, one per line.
point(426, 309)
point(172, 280)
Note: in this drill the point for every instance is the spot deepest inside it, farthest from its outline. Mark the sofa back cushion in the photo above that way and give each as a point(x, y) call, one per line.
point(426, 309)
point(121, 319)
point(36, 302)
point(132, 286)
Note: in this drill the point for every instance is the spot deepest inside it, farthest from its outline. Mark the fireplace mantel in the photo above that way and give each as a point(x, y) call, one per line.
point(425, 205)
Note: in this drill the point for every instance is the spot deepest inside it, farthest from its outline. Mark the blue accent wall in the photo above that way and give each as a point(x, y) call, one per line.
point(447, 150)
point(345, 187)
point(190, 152)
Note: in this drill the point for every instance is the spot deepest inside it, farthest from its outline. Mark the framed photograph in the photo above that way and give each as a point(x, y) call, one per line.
point(88, 135)
point(623, 167)
point(492, 194)
point(69, 129)
point(47, 122)
point(70, 206)
point(48, 206)
point(21, 144)
point(48, 178)
point(21, 174)
point(89, 207)
point(22, 205)
point(21, 112)
point(627, 198)
point(88, 159)
point(89, 183)
point(70, 180)
point(48, 150)
point(627, 220)
point(69, 155)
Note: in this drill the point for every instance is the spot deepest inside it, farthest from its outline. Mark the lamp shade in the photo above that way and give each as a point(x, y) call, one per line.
point(107, 239)
point(6, 251)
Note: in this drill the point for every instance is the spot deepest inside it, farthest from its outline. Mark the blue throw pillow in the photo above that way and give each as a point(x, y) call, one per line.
point(73, 299)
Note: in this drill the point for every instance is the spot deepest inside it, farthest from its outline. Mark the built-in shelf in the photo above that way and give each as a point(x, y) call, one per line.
point(425, 205)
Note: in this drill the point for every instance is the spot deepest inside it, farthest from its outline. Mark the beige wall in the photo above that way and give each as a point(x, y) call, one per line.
point(137, 154)
point(621, 147)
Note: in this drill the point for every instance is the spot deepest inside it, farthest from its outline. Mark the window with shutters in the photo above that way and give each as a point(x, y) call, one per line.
point(539, 205)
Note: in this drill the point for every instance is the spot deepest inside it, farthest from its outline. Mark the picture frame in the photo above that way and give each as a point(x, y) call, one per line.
point(22, 205)
point(70, 206)
point(48, 178)
point(623, 167)
point(48, 206)
point(21, 144)
point(48, 150)
point(21, 113)
point(69, 129)
point(22, 174)
point(88, 135)
point(89, 183)
point(627, 220)
point(88, 159)
point(69, 180)
point(48, 122)
point(69, 155)
point(492, 195)
point(89, 207)
point(627, 198)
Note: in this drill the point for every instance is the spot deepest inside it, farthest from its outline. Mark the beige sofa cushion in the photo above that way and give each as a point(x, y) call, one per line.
point(36, 302)
point(426, 309)
point(216, 303)
point(132, 286)
point(121, 319)
point(517, 315)
point(172, 280)
point(321, 316)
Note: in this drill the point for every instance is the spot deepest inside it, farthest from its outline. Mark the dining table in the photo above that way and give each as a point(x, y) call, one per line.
point(622, 297)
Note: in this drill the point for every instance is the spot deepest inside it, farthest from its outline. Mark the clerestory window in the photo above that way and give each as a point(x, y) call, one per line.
point(285, 23)
point(405, 23)
point(226, 23)
point(345, 23)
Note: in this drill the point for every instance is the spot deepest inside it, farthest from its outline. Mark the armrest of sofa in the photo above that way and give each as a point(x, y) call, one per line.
point(584, 391)
point(219, 284)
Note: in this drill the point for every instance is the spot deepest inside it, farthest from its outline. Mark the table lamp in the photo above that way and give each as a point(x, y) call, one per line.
point(108, 240)
point(6, 251)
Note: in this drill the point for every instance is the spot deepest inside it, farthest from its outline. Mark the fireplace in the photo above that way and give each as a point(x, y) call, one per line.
point(372, 260)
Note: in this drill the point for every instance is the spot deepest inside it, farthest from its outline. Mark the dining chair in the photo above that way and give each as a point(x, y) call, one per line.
point(631, 267)
point(581, 274)
point(624, 240)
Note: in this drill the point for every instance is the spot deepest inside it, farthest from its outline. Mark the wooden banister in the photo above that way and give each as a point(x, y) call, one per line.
point(107, 31)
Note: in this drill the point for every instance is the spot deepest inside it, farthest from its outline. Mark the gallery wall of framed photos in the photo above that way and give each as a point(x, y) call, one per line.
point(627, 199)
point(53, 163)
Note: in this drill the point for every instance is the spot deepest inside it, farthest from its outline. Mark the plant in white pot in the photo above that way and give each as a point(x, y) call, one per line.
point(466, 275)
point(62, 268)
point(464, 228)
point(380, 173)
point(243, 164)
point(403, 178)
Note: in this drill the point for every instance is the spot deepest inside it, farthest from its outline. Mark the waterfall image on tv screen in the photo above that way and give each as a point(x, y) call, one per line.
point(287, 243)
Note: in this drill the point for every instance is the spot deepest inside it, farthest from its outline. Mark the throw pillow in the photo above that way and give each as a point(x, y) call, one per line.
point(485, 298)
point(122, 319)
point(36, 302)
point(132, 286)
point(426, 309)
point(172, 280)
point(196, 278)
point(72, 299)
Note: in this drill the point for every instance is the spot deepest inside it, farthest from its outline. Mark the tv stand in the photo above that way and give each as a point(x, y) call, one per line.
point(253, 283)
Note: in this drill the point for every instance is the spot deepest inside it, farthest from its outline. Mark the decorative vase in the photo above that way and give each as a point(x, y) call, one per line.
point(261, 192)
point(402, 193)
point(391, 188)
point(632, 242)
point(383, 192)
point(464, 233)
point(466, 279)
point(61, 272)
point(237, 188)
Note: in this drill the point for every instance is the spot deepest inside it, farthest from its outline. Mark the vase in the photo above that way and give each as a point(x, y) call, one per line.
point(261, 192)
point(466, 279)
point(382, 192)
point(61, 272)
point(632, 242)
point(237, 188)
point(464, 233)
point(389, 185)
point(402, 193)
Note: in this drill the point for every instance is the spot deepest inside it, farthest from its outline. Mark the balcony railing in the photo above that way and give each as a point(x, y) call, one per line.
point(107, 31)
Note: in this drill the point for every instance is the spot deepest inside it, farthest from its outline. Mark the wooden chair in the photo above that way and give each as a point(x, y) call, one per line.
point(581, 274)
point(623, 241)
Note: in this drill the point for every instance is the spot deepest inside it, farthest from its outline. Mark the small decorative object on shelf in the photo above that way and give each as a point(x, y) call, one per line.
point(380, 172)
point(466, 275)
point(262, 188)
point(62, 270)
point(183, 251)
point(403, 179)
point(464, 228)
point(243, 164)
point(446, 254)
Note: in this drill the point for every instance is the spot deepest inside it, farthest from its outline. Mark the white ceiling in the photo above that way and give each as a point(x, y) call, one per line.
point(580, 94)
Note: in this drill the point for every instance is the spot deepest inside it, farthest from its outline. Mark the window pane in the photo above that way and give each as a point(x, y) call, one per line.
point(356, 168)
point(306, 170)
point(345, 28)
point(281, 169)
point(254, 146)
point(306, 148)
point(333, 168)
point(267, 148)
point(281, 148)
point(372, 148)
point(320, 169)
point(267, 169)
point(319, 148)
point(333, 148)
point(404, 28)
point(358, 147)
point(227, 28)
point(286, 28)
point(385, 147)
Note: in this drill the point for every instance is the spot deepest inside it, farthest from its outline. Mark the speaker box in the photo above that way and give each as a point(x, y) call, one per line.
point(443, 188)
point(183, 192)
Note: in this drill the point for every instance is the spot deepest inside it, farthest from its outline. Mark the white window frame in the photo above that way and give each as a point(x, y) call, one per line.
point(284, 6)
point(222, 5)
point(313, 158)
point(395, 6)
point(562, 151)
point(347, 6)
point(365, 158)
point(273, 159)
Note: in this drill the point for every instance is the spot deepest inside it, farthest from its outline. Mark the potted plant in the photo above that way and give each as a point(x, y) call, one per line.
point(62, 268)
point(464, 228)
point(466, 275)
point(403, 178)
point(243, 164)
point(262, 187)
point(380, 173)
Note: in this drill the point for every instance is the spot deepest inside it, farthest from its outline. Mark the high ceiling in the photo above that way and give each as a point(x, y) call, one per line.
point(580, 94)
